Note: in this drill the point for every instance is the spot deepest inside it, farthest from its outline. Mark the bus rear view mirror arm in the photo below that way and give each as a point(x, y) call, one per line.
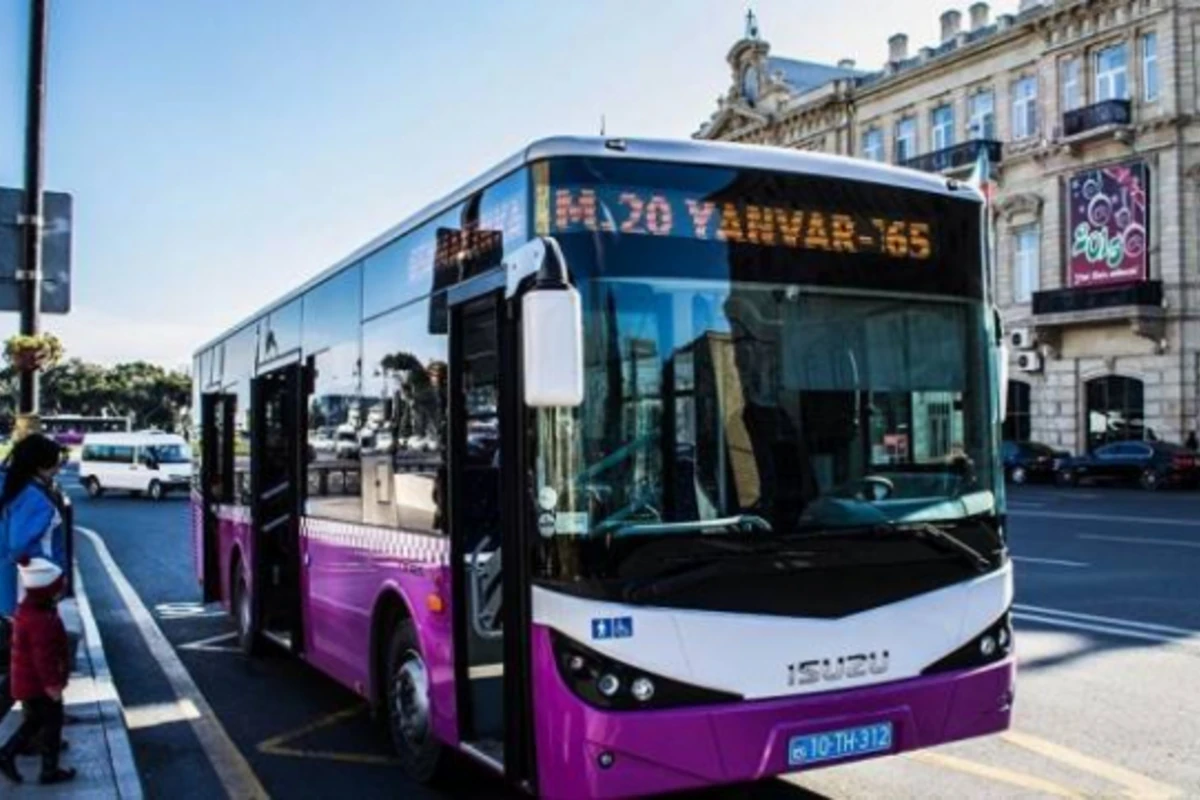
point(551, 327)
point(1001, 366)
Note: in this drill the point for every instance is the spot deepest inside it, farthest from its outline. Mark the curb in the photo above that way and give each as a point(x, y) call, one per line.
point(112, 714)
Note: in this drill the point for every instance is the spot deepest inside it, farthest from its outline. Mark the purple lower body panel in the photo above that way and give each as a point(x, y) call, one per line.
point(664, 751)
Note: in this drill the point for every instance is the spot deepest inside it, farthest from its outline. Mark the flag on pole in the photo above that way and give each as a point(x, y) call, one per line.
point(981, 174)
point(981, 179)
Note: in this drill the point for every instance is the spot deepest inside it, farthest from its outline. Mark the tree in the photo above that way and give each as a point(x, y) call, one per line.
point(146, 393)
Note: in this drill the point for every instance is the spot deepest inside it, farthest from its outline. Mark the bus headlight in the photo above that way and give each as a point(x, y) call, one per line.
point(609, 684)
point(988, 646)
point(642, 690)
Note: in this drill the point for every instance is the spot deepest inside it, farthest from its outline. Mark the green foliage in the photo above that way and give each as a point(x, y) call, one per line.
point(153, 396)
point(41, 351)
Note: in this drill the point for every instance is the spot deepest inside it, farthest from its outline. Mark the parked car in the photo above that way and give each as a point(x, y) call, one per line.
point(1031, 461)
point(1151, 465)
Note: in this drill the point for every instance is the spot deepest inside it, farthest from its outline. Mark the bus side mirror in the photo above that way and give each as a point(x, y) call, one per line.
point(552, 347)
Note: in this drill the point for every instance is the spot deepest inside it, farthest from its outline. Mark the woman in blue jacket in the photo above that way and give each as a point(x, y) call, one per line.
point(30, 525)
point(30, 516)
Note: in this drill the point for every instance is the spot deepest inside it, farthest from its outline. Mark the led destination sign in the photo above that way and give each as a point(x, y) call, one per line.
point(649, 212)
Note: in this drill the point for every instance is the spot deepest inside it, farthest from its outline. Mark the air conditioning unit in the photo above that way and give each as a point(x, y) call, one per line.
point(1022, 338)
point(1029, 362)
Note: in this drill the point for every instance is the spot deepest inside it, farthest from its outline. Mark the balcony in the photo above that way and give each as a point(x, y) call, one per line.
point(959, 157)
point(1113, 117)
point(1139, 304)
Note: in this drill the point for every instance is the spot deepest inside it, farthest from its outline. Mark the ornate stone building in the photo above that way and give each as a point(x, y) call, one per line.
point(1087, 110)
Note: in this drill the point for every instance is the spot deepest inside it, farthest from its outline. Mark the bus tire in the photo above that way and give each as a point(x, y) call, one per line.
point(243, 615)
point(156, 491)
point(93, 487)
point(409, 718)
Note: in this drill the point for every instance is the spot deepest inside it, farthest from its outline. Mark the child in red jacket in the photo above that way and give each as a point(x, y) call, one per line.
point(40, 655)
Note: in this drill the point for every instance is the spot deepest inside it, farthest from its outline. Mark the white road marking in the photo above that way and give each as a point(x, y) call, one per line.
point(1140, 540)
point(1052, 561)
point(1183, 523)
point(188, 611)
point(1126, 633)
point(231, 767)
point(1135, 784)
point(154, 714)
point(1125, 623)
point(210, 644)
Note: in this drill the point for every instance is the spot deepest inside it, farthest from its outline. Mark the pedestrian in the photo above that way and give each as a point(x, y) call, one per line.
point(30, 512)
point(30, 525)
point(1191, 442)
point(40, 670)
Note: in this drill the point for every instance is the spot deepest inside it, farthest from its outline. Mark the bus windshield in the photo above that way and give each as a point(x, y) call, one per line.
point(810, 412)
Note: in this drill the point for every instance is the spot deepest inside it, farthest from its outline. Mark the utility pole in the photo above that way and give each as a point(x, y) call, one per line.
point(33, 219)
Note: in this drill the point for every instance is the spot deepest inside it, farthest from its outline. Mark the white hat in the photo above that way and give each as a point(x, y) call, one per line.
point(39, 573)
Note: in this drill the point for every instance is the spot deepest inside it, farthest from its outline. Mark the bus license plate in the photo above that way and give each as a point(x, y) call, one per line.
point(814, 748)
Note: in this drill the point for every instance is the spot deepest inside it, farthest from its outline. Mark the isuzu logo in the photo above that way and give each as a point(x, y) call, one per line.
point(835, 669)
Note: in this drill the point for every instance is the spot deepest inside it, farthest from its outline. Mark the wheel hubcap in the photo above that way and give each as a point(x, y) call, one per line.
point(1018, 475)
point(410, 699)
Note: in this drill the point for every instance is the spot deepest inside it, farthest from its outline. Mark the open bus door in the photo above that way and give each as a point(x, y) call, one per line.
point(491, 581)
point(217, 420)
point(277, 455)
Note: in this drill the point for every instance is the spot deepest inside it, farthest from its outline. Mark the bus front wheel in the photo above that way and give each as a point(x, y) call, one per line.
point(409, 715)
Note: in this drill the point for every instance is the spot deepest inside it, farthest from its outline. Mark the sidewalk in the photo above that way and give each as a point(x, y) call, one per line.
point(99, 743)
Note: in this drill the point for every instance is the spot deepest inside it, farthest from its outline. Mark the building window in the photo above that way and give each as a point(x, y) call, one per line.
point(1025, 263)
point(1072, 83)
point(1150, 67)
point(1112, 74)
point(941, 128)
point(1025, 108)
point(1017, 426)
point(906, 139)
point(1115, 410)
point(982, 110)
point(872, 145)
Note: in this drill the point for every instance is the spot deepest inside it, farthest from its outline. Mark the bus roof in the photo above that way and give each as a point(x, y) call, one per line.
point(679, 151)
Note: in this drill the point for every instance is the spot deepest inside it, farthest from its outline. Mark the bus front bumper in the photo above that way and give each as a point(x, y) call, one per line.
point(651, 752)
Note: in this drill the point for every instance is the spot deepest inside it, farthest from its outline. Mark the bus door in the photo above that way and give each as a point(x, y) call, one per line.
point(276, 475)
point(483, 486)
point(217, 433)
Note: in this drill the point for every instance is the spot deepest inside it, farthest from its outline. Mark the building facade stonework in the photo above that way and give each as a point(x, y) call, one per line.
point(1087, 110)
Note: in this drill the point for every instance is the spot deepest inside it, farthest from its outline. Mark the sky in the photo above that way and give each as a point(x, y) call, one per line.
point(220, 152)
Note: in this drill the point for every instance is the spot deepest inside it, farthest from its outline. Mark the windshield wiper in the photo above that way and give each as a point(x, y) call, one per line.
point(932, 533)
point(703, 568)
point(742, 523)
point(926, 531)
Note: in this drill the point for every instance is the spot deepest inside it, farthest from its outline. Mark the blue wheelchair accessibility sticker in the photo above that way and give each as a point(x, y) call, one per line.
point(612, 627)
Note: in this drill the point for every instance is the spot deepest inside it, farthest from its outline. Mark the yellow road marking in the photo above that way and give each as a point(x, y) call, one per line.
point(994, 773)
point(277, 745)
point(1135, 784)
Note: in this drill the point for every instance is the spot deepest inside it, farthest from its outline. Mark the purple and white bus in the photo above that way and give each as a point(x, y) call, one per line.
point(631, 467)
